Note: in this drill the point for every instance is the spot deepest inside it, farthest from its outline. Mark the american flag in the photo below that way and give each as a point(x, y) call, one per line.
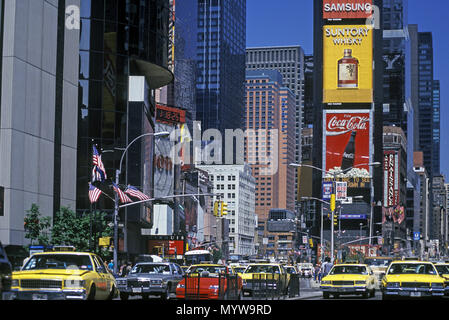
point(99, 170)
point(133, 191)
point(94, 193)
point(123, 197)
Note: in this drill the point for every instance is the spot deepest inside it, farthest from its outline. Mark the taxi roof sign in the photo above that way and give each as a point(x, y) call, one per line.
point(63, 248)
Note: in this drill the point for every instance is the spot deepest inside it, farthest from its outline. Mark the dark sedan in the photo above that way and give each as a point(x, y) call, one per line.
point(150, 278)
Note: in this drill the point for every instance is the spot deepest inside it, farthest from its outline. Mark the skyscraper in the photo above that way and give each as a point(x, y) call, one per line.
point(436, 130)
point(38, 128)
point(270, 110)
point(290, 62)
point(221, 64)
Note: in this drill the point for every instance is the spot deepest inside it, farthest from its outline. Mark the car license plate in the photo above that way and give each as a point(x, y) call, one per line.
point(137, 290)
point(415, 294)
point(40, 296)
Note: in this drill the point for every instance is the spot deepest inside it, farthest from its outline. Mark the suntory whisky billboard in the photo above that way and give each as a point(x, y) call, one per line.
point(347, 64)
point(347, 141)
point(347, 9)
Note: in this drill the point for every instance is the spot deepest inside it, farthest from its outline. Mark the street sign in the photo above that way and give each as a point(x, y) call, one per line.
point(304, 239)
point(353, 216)
point(416, 236)
point(341, 188)
point(327, 190)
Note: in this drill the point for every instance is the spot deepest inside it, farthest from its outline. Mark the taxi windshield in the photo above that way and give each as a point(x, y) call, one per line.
point(442, 269)
point(210, 269)
point(151, 268)
point(262, 269)
point(412, 268)
point(58, 261)
point(239, 269)
point(349, 270)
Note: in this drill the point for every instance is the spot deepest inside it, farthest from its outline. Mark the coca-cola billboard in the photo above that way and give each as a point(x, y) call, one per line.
point(347, 143)
point(391, 178)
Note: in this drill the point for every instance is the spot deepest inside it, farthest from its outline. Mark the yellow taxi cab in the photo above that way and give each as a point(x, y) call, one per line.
point(357, 279)
point(443, 271)
point(412, 279)
point(63, 275)
point(238, 268)
point(265, 276)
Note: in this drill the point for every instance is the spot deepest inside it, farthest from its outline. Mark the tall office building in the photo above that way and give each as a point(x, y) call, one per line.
point(425, 98)
point(436, 130)
point(38, 113)
point(119, 39)
point(290, 62)
point(270, 110)
point(220, 79)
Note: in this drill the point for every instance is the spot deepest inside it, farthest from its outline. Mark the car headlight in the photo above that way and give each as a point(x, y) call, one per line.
point(180, 286)
point(14, 282)
point(326, 282)
point(74, 283)
point(437, 285)
point(393, 285)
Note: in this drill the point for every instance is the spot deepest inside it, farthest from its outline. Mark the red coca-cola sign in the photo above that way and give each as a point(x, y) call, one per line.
point(347, 140)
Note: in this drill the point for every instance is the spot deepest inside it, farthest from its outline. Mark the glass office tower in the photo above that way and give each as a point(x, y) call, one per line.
point(220, 79)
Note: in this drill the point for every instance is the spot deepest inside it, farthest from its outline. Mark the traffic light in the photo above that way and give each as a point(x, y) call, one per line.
point(224, 208)
point(335, 219)
point(216, 207)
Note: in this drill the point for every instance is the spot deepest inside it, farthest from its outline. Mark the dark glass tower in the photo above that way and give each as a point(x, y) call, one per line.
point(119, 38)
point(220, 85)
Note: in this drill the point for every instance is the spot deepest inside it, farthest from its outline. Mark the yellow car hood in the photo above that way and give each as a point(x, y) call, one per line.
point(345, 277)
point(413, 278)
point(49, 273)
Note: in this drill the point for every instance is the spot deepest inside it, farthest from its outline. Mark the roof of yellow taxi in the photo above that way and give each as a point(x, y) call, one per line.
point(63, 252)
point(208, 265)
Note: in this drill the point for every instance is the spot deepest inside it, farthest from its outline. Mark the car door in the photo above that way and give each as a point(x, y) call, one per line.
point(102, 282)
point(178, 275)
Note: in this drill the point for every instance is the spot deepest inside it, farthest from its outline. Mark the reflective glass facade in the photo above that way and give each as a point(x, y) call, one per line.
point(114, 33)
point(220, 79)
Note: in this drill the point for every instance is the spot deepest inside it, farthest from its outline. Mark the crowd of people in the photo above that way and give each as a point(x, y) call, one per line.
point(322, 270)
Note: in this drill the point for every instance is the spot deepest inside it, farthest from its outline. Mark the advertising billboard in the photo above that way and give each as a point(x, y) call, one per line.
point(391, 178)
point(347, 9)
point(347, 144)
point(347, 64)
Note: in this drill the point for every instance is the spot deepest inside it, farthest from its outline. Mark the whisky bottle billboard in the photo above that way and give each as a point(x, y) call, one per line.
point(348, 71)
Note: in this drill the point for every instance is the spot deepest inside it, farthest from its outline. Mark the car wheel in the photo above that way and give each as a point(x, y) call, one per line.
point(166, 294)
point(112, 294)
point(124, 296)
point(325, 295)
point(92, 293)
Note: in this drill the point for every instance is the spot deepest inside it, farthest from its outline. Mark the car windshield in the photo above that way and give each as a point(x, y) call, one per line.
point(239, 269)
point(411, 268)
point(378, 262)
point(349, 270)
point(151, 268)
point(59, 261)
point(442, 269)
point(262, 269)
point(290, 270)
point(210, 269)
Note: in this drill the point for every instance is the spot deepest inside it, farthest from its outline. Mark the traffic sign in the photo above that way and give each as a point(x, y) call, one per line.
point(327, 190)
point(416, 236)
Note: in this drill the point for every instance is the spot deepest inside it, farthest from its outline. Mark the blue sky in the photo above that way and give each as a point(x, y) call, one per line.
point(290, 22)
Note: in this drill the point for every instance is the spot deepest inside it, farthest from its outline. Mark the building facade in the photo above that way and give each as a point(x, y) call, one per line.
point(290, 62)
point(38, 112)
point(236, 186)
point(119, 39)
point(220, 77)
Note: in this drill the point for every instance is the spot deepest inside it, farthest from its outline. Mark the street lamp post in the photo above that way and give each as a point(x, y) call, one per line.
point(116, 198)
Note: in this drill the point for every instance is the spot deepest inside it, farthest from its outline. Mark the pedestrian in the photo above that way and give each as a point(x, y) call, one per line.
point(317, 272)
point(326, 267)
point(128, 267)
point(111, 265)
